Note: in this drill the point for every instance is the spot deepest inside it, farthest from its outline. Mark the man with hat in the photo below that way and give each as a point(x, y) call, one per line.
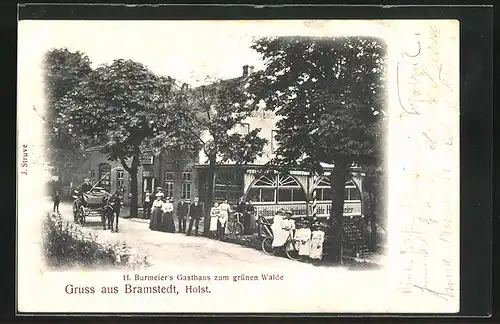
point(182, 214)
point(83, 188)
point(195, 213)
point(146, 205)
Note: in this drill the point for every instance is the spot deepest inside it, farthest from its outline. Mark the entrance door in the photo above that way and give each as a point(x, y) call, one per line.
point(105, 176)
point(148, 184)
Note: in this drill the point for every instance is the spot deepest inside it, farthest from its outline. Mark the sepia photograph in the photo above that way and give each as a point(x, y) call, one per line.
point(238, 166)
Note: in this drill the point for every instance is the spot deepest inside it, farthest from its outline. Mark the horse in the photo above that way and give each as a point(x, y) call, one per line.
point(109, 215)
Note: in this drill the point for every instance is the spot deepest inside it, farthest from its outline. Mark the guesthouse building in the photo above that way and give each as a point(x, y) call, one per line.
point(186, 177)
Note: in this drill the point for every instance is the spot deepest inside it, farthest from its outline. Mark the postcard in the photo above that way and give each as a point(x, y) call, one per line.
point(257, 166)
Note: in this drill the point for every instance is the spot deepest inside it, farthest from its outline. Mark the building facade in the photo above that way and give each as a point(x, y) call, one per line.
point(187, 177)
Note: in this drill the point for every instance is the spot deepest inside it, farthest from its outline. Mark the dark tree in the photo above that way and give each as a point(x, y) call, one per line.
point(330, 95)
point(209, 114)
point(64, 70)
point(120, 103)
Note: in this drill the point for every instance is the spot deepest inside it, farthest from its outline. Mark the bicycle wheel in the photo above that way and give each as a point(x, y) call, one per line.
point(292, 250)
point(238, 229)
point(267, 246)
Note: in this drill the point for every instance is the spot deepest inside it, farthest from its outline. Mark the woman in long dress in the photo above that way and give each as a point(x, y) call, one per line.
point(168, 224)
point(214, 218)
point(156, 214)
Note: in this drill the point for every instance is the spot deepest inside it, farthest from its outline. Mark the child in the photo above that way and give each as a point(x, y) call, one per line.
point(57, 199)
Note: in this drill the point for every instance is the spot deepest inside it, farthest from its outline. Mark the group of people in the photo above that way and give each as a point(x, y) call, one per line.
point(161, 210)
point(219, 216)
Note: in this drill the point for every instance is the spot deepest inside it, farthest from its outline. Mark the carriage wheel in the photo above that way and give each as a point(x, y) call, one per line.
point(292, 250)
point(267, 246)
point(81, 216)
point(75, 212)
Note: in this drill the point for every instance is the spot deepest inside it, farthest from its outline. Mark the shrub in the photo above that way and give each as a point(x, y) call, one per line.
point(66, 245)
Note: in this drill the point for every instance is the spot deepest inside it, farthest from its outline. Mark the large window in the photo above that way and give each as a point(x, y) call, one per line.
point(169, 184)
point(276, 188)
point(351, 191)
point(186, 185)
point(228, 185)
point(324, 190)
point(105, 176)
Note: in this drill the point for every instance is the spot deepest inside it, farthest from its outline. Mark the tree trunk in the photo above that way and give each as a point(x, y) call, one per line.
point(134, 187)
point(209, 196)
point(338, 179)
point(177, 194)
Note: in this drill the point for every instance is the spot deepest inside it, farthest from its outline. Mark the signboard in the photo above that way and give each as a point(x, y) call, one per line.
point(351, 208)
point(146, 158)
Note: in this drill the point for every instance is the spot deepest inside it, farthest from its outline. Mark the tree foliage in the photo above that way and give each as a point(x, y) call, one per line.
point(122, 103)
point(329, 94)
point(64, 70)
point(211, 114)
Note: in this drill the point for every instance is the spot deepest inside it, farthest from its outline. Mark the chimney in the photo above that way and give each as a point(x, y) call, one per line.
point(245, 71)
point(250, 69)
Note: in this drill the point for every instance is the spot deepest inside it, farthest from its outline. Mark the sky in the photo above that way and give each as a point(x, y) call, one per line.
point(188, 51)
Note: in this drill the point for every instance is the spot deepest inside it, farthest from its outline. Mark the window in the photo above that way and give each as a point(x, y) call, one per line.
point(274, 144)
point(186, 185)
point(243, 129)
point(351, 191)
point(276, 188)
point(120, 175)
point(169, 184)
point(105, 176)
point(324, 191)
point(228, 185)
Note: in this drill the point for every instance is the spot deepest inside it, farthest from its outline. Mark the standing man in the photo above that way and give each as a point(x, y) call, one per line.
point(146, 206)
point(241, 208)
point(195, 213)
point(57, 199)
point(182, 213)
point(249, 224)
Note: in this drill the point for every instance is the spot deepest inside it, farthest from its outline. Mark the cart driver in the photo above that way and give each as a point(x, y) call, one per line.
point(84, 187)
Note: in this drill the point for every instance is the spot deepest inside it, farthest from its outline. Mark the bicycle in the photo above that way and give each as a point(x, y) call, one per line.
point(236, 226)
point(291, 245)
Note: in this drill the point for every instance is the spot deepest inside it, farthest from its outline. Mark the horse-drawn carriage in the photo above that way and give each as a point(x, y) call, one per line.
point(90, 204)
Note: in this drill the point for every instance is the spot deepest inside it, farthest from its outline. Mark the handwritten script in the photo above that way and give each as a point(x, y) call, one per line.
point(428, 107)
